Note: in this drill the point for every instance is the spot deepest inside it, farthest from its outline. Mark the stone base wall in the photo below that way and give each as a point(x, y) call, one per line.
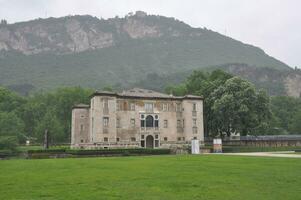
point(180, 147)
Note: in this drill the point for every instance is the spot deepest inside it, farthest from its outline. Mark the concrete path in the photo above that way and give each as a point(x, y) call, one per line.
point(282, 154)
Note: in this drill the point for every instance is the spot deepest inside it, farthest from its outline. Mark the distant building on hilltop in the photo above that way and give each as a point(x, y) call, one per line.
point(137, 118)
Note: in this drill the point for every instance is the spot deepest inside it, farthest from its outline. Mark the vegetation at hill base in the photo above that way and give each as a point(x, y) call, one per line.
point(232, 105)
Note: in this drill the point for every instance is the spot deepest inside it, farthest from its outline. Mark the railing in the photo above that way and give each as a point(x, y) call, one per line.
point(259, 138)
point(149, 128)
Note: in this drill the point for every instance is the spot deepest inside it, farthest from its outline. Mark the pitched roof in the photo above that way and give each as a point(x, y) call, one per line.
point(81, 106)
point(138, 92)
point(144, 93)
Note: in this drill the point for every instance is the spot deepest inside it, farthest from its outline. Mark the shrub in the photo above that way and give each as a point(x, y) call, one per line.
point(46, 151)
point(137, 151)
point(8, 143)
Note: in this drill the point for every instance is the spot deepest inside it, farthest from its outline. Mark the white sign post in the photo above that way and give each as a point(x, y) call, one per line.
point(195, 147)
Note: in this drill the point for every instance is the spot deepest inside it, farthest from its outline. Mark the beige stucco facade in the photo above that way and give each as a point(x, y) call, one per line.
point(137, 118)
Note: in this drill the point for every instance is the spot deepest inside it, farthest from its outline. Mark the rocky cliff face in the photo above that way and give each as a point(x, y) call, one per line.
point(293, 84)
point(276, 82)
point(81, 33)
point(91, 52)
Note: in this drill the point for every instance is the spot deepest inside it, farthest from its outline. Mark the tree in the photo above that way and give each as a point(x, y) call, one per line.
point(51, 123)
point(10, 101)
point(8, 143)
point(285, 111)
point(238, 108)
point(203, 84)
point(11, 125)
point(295, 125)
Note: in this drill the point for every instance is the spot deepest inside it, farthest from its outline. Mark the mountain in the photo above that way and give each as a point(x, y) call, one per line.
point(91, 52)
point(274, 81)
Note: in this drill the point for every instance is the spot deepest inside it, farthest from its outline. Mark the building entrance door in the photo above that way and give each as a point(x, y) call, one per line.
point(149, 141)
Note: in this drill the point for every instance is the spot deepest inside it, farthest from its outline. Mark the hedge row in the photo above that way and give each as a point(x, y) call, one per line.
point(6, 153)
point(118, 151)
point(102, 151)
point(46, 151)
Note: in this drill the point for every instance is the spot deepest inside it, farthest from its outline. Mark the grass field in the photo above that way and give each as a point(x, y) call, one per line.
point(152, 177)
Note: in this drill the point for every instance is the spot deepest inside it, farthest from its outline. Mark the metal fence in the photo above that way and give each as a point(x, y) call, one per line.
point(259, 138)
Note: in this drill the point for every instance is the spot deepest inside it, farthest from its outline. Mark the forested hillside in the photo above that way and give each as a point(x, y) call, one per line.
point(90, 52)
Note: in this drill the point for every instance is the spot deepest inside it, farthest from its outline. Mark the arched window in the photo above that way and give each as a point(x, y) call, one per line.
point(149, 121)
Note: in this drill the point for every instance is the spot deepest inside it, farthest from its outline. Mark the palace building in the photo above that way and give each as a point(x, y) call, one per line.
point(137, 118)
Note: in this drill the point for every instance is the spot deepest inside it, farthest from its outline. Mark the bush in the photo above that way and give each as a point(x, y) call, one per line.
point(6, 153)
point(127, 152)
point(8, 143)
point(46, 151)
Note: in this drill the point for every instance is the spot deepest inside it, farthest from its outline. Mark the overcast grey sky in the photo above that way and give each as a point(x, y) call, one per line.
point(273, 25)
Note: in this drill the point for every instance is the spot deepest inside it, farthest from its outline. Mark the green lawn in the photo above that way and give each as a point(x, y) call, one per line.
point(152, 177)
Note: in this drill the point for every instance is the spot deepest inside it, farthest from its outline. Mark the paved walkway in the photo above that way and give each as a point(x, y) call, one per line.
point(282, 154)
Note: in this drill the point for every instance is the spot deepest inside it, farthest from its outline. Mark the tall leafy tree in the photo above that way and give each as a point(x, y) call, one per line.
point(238, 108)
point(11, 125)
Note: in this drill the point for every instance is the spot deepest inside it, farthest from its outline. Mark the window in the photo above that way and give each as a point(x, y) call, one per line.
point(165, 123)
point(178, 107)
point(81, 141)
point(106, 121)
point(194, 130)
point(194, 122)
point(194, 107)
point(165, 139)
point(105, 139)
point(156, 123)
point(142, 137)
point(119, 105)
point(132, 106)
point(179, 138)
point(142, 121)
point(133, 139)
point(156, 136)
point(81, 127)
point(156, 143)
point(118, 123)
point(92, 127)
point(149, 121)
point(133, 123)
point(164, 107)
point(142, 143)
point(195, 138)
point(105, 104)
point(82, 116)
point(183, 138)
point(118, 139)
point(149, 107)
point(178, 123)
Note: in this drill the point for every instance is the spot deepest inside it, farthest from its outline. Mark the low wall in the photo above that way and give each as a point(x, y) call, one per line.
point(260, 143)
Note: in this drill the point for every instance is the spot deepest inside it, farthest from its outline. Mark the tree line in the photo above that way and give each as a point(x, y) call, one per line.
point(231, 105)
